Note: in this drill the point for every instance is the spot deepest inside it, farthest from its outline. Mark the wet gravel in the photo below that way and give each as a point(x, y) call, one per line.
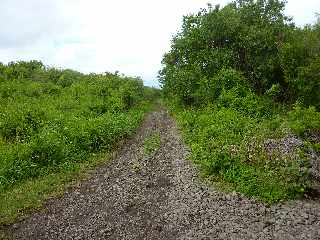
point(161, 197)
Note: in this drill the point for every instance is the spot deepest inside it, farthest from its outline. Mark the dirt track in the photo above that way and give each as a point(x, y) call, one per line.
point(160, 197)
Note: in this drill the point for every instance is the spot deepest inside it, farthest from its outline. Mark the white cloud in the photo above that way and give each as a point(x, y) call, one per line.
point(98, 35)
point(303, 12)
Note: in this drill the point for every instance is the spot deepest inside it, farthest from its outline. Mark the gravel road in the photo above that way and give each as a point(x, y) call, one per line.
point(160, 196)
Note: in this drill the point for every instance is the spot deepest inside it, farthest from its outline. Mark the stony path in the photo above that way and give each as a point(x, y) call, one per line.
point(162, 198)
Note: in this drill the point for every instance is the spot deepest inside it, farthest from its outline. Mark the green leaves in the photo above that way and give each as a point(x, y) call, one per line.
point(255, 39)
point(152, 143)
point(50, 118)
point(228, 70)
point(230, 146)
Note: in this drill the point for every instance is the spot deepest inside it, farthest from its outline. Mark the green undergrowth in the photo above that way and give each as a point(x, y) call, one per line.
point(24, 196)
point(152, 143)
point(229, 146)
point(53, 121)
point(244, 83)
point(20, 199)
point(57, 149)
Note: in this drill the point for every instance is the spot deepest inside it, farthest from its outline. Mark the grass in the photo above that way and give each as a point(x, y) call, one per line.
point(151, 143)
point(17, 201)
point(30, 192)
point(52, 119)
point(136, 166)
point(52, 124)
point(23, 197)
point(228, 147)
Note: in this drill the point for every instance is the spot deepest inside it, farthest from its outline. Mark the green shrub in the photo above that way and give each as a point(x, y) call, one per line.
point(228, 146)
point(308, 84)
point(17, 124)
point(248, 43)
point(233, 74)
point(52, 118)
point(304, 119)
point(152, 143)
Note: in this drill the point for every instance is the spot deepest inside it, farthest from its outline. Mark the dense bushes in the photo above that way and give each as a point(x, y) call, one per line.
point(254, 38)
point(231, 146)
point(51, 118)
point(243, 82)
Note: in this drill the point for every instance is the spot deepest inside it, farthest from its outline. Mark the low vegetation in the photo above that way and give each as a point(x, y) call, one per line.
point(53, 121)
point(243, 82)
point(152, 143)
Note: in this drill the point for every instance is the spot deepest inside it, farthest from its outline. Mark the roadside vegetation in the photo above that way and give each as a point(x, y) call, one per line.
point(243, 82)
point(53, 124)
point(152, 144)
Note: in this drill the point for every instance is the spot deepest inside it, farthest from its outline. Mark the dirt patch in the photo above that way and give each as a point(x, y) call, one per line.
point(163, 198)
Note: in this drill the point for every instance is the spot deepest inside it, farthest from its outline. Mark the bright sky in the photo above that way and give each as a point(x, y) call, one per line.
point(104, 35)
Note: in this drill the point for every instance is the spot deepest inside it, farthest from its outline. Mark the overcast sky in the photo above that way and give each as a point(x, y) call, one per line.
point(104, 35)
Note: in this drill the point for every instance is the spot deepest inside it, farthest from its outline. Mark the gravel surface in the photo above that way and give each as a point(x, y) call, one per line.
point(160, 197)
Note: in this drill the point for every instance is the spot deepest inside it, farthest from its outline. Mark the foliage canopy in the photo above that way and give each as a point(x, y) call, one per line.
point(255, 39)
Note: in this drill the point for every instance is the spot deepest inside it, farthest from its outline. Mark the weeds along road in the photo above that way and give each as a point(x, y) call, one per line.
point(157, 195)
